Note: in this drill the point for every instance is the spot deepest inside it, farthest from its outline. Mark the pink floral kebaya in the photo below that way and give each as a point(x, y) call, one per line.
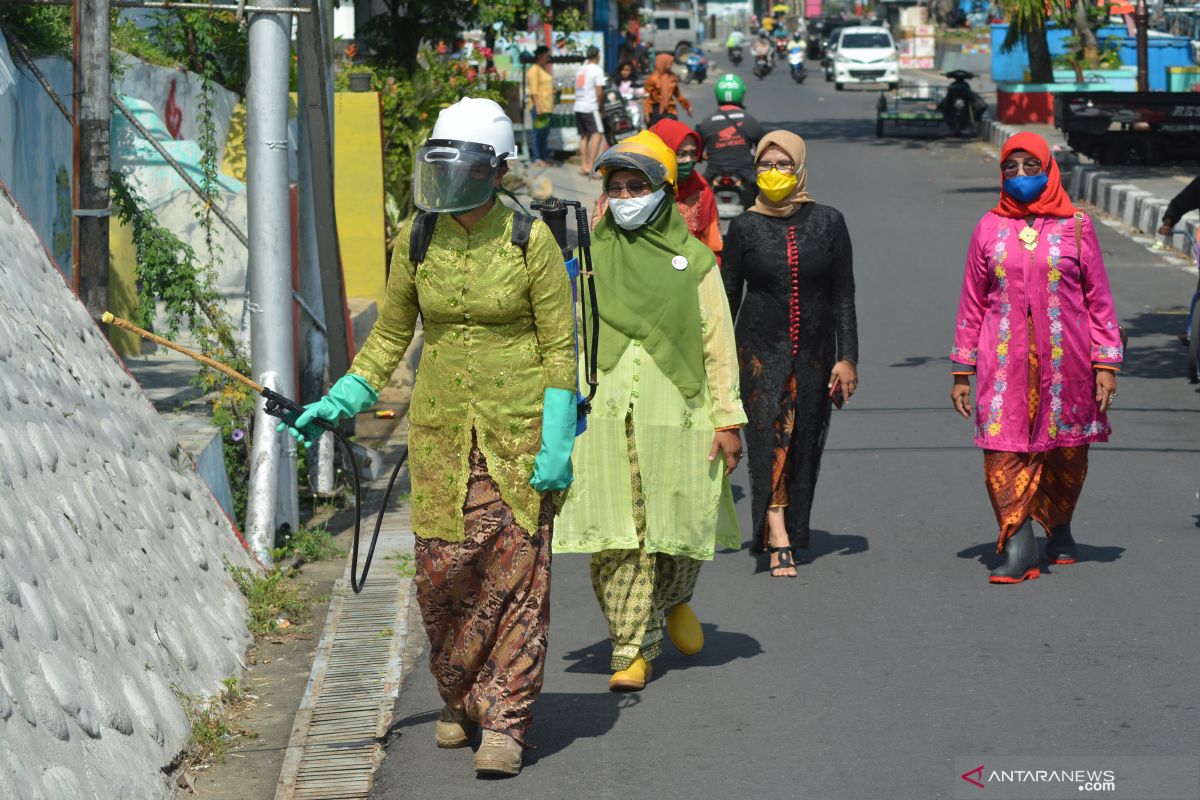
point(1011, 283)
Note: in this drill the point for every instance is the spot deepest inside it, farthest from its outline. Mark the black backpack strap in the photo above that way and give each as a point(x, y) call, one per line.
point(522, 227)
point(421, 236)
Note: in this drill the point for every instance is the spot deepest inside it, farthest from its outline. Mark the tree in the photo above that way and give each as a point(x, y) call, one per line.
point(394, 37)
point(1027, 23)
point(1085, 20)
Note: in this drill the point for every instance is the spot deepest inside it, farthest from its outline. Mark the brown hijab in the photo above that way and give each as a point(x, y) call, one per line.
point(793, 145)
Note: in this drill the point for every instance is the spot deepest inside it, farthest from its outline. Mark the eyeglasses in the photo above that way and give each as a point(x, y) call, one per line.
point(634, 188)
point(1013, 167)
point(686, 154)
point(786, 167)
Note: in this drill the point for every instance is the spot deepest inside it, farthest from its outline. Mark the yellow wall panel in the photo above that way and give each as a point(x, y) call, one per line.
point(358, 193)
point(122, 286)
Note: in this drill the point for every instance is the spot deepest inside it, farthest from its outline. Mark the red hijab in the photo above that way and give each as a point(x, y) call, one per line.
point(698, 211)
point(1054, 201)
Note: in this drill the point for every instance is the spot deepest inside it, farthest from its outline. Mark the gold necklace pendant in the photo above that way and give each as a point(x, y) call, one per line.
point(1030, 238)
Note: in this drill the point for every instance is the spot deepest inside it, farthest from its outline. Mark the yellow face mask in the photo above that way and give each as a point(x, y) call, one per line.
point(775, 185)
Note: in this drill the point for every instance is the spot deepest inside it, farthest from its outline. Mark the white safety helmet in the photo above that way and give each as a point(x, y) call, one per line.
point(478, 120)
point(456, 168)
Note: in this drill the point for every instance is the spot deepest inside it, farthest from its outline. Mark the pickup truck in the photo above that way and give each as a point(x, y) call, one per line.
point(1141, 128)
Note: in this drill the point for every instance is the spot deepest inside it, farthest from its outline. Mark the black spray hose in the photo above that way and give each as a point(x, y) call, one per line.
point(288, 410)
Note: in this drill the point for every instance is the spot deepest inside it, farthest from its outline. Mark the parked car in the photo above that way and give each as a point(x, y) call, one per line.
point(673, 31)
point(865, 55)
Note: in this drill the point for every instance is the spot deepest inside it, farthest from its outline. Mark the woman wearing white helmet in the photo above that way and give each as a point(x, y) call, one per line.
point(491, 425)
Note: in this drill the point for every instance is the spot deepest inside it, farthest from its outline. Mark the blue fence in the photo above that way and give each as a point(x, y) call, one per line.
point(1164, 52)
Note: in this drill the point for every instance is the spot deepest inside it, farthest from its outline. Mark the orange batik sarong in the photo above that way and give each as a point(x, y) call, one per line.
point(1045, 486)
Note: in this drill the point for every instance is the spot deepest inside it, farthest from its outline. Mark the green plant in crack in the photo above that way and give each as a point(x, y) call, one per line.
point(270, 597)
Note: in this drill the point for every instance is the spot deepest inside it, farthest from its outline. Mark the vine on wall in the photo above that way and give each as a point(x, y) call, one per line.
point(174, 284)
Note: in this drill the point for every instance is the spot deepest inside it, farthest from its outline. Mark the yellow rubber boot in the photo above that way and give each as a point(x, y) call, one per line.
point(685, 631)
point(633, 678)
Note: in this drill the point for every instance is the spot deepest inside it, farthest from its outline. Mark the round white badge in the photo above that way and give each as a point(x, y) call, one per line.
point(679, 262)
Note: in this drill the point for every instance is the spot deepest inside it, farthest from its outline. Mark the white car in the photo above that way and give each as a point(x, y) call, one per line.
point(865, 55)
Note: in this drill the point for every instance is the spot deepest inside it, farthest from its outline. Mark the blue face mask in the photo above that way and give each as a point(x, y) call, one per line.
point(1025, 188)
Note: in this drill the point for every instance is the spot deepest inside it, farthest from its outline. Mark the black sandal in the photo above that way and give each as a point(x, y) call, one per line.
point(785, 561)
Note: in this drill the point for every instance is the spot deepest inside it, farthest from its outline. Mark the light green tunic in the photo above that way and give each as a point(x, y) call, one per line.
point(689, 506)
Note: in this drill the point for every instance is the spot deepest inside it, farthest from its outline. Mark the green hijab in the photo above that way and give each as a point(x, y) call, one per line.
point(647, 283)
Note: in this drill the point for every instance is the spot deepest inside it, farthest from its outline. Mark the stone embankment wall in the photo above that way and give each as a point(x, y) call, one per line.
point(113, 589)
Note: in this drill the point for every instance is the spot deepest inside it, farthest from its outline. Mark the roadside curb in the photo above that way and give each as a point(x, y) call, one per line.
point(1112, 194)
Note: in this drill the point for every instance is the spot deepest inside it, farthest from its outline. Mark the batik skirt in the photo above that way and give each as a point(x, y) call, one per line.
point(1045, 486)
point(637, 589)
point(485, 603)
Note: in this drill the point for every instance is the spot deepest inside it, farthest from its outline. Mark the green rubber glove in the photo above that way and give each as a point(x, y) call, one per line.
point(350, 395)
point(552, 468)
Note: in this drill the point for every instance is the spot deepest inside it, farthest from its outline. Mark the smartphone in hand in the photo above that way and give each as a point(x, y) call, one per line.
point(835, 395)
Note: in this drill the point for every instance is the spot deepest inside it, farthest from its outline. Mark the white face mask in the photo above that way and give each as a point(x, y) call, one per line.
point(634, 212)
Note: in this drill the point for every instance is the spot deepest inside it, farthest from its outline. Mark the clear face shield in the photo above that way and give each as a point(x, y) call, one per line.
point(452, 176)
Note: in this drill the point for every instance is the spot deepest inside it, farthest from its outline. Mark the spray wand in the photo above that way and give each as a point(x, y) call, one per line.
point(288, 410)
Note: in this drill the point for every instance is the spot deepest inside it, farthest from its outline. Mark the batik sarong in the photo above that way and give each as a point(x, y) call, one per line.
point(1044, 486)
point(637, 589)
point(485, 603)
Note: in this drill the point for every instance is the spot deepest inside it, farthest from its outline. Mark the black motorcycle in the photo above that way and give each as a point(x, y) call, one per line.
point(618, 125)
point(735, 54)
point(727, 191)
point(961, 107)
point(762, 66)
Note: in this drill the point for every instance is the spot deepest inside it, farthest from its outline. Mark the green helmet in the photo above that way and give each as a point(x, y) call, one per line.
point(730, 89)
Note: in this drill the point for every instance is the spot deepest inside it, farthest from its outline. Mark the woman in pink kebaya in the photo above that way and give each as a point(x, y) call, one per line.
point(1037, 328)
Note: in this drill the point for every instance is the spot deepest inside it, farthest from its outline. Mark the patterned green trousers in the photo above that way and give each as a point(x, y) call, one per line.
point(637, 589)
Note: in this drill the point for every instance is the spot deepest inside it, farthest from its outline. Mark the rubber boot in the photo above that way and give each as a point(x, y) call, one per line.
point(453, 728)
point(633, 678)
point(498, 754)
point(1020, 558)
point(684, 629)
point(1060, 547)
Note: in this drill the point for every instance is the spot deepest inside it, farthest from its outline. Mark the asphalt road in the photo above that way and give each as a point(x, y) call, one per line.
point(892, 660)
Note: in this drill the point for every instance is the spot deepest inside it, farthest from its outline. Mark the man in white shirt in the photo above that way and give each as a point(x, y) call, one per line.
point(589, 98)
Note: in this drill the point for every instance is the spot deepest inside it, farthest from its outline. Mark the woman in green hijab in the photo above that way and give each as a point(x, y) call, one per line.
point(651, 498)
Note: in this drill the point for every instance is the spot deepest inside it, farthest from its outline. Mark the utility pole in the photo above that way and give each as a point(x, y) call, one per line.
point(315, 74)
point(272, 348)
point(90, 154)
point(1141, 18)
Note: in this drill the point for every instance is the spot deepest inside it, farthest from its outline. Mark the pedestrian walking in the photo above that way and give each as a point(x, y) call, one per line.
point(491, 426)
point(589, 99)
point(662, 91)
point(652, 499)
point(694, 197)
point(1186, 201)
point(788, 266)
point(1037, 327)
point(541, 105)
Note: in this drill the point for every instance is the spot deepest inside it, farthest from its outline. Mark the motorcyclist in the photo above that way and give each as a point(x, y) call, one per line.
point(761, 47)
point(736, 39)
point(728, 137)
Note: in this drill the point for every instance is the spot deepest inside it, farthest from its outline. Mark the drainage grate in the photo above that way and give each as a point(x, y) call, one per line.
point(336, 741)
